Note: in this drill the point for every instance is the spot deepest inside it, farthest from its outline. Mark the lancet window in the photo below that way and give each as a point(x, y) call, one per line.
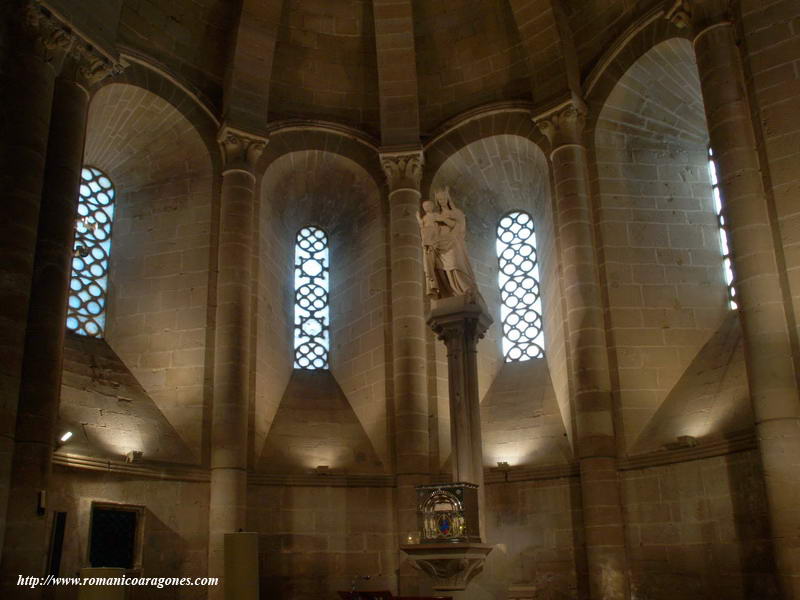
point(518, 277)
point(86, 310)
point(311, 308)
point(724, 245)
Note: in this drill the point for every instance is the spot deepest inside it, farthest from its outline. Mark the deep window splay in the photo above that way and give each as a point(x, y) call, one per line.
point(311, 311)
point(86, 312)
point(521, 308)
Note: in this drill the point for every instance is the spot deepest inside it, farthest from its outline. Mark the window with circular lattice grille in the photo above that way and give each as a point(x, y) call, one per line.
point(311, 310)
point(518, 277)
point(86, 311)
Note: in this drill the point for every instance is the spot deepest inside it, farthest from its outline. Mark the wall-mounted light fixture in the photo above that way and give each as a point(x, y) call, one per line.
point(323, 470)
point(682, 442)
point(501, 464)
point(65, 437)
point(134, 456)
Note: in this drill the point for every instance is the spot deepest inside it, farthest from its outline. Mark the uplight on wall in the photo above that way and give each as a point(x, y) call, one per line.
point(65, 437)
point(134, 456)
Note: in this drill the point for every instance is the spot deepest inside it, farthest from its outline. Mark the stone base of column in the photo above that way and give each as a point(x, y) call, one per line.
point(451, 566)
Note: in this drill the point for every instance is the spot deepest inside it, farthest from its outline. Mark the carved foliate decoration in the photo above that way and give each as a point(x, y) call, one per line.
point(240, 150)
point(88, 67)
point(451, 573)
point(679, 13)
point(51, 39)
point(403, 170)
point(59, 45)
point(564, 126)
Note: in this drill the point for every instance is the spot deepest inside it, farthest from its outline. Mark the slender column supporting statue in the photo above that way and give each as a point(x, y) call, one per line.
point(459, 318)
point(450, 550)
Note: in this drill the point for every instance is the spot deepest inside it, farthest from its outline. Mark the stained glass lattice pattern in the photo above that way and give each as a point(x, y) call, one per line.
point(86, 311)
point(311, 309)
point(724, 246)
point(518, 277)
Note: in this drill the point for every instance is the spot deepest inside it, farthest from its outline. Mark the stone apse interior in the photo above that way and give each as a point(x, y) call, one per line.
point(650, 452)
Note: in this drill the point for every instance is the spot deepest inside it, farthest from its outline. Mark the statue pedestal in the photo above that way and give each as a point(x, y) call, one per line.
point(452, 566)
point(460, 322)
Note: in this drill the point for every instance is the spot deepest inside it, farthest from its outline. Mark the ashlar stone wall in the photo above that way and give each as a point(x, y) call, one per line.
point(161, 243)
point(328, 191)
point(315, 540)
point(487, 179)
point(662, 262)
point(699, 529)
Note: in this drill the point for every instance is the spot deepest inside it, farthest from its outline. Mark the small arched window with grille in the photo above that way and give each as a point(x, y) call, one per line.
point(311, 308)
point(724, 245)
point(518, 277)
point(86, 311)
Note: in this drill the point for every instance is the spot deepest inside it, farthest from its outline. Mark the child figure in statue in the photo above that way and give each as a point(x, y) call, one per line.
point(448, 272)
point(429, 231)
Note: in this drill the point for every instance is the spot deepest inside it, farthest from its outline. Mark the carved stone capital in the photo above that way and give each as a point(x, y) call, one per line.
point(240, 150)
point(403, 169)
point(87, 67)
point(43, 34)
point(460, 322)
point(451, 566)
point(564, 126)
point(679, 13)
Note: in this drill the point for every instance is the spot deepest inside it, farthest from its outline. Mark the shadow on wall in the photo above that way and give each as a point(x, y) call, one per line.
point(699, 529)
point(540, 525)
point(107, 410)
point(751, 524)
point(315, 540)
point(164, 554)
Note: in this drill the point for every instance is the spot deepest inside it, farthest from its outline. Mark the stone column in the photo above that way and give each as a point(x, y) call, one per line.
point(35, 45)
point(771, 370)
point(40, 390)
point(228, 500)
point(404, 173)
point(461, 324)
point(589, 370)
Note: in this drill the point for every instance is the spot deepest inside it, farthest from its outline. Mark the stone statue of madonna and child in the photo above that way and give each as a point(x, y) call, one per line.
point(448, 272)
